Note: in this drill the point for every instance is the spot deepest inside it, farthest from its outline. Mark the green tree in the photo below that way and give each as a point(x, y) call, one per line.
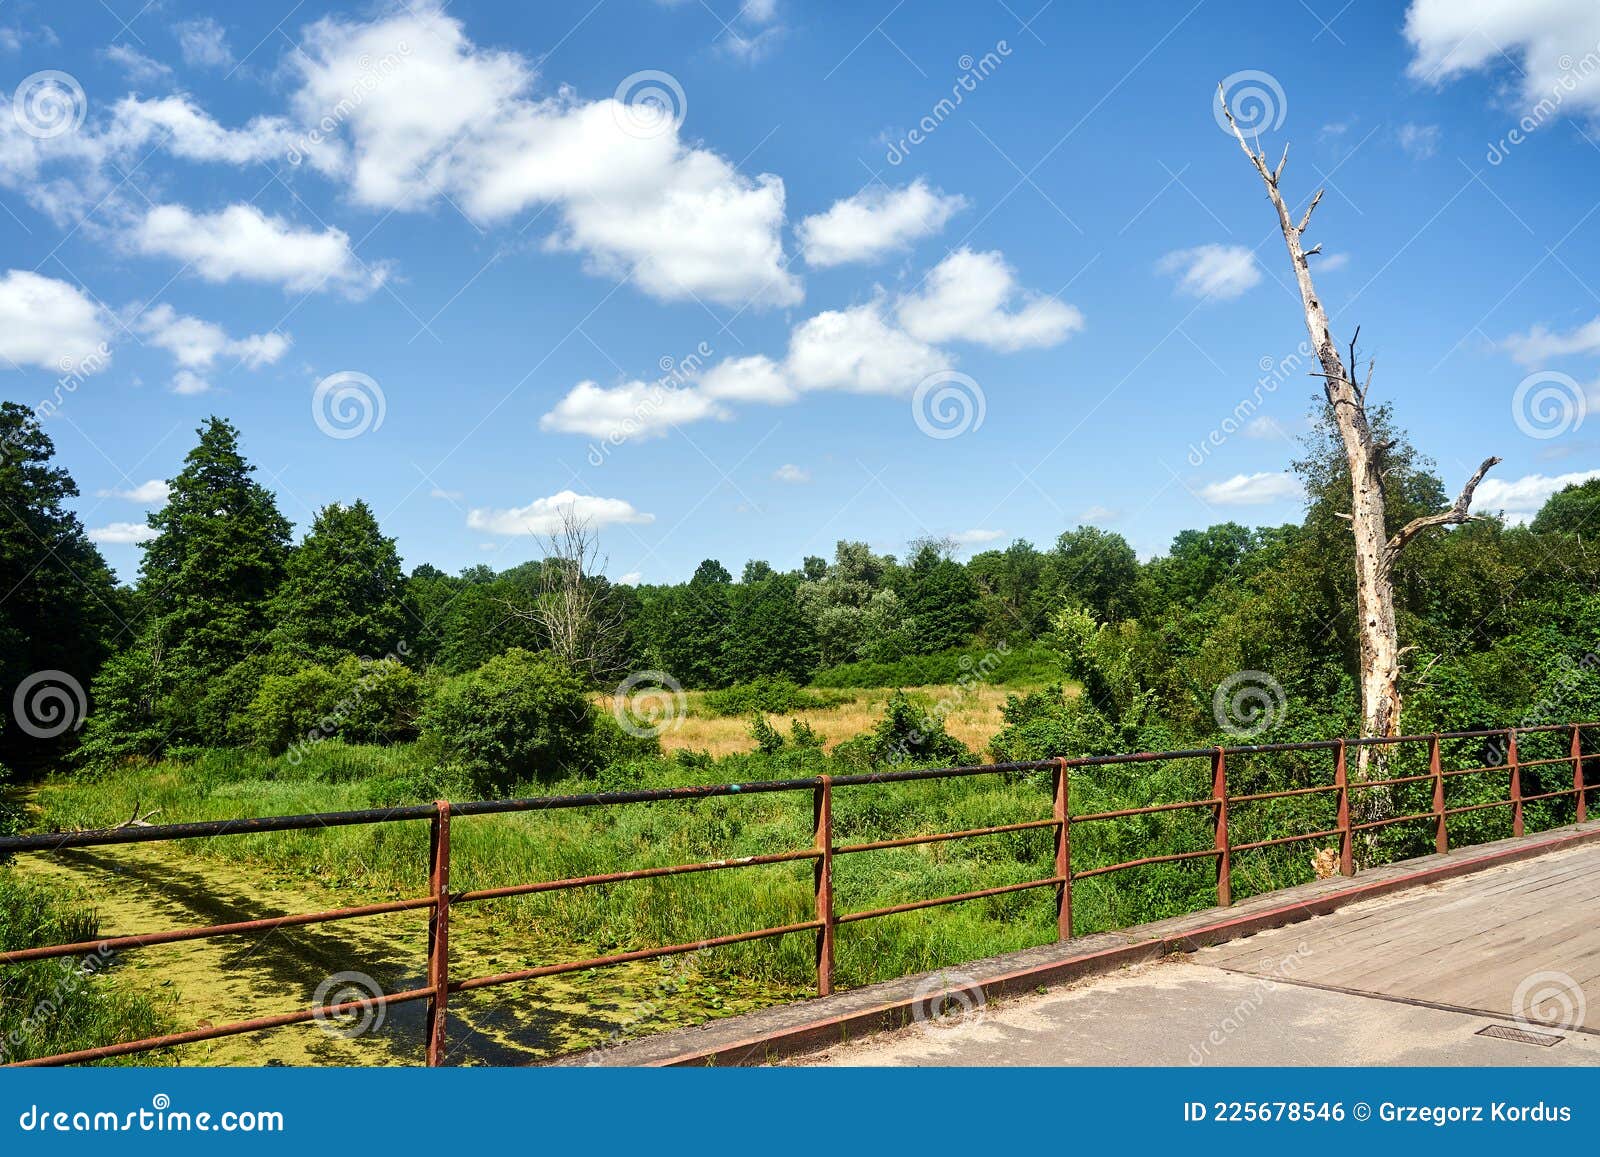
point(343, 591)
point(1574, 509)
point(939, 597)
point(1095, 568)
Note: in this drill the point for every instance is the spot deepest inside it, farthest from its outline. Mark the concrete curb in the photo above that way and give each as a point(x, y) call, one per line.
point(791, 1030)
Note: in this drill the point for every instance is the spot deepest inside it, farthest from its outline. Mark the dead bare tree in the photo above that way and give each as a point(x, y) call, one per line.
point(581, 623)
point(1376, 549)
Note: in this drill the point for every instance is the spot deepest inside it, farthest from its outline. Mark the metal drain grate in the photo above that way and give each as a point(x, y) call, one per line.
point(1521, 1035)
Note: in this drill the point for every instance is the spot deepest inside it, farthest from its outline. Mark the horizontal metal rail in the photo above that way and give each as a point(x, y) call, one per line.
point(438, 903)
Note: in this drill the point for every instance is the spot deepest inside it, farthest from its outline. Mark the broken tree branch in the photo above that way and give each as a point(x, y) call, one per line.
point(1457, 514)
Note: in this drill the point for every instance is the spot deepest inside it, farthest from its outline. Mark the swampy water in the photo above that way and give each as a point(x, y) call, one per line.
point(137, 888)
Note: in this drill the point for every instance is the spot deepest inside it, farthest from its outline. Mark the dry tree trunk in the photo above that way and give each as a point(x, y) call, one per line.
point(1376, 549)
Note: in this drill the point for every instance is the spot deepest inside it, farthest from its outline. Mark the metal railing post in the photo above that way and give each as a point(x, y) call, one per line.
point(1516, 781)
point(1347, 844)
point(1441, 828)
point(438, 931)
point(823, 817)
point(1577, 773)
point(1219, 792)
point(1063, 856)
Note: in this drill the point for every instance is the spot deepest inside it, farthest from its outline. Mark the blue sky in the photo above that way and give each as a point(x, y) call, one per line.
point(443, 257)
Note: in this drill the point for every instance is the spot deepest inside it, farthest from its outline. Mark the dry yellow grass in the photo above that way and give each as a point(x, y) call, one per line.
point(972, 716)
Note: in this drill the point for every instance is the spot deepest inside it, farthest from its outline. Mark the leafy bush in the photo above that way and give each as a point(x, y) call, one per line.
point(357, 700)
point(518, 717)
point(804, 735)
point(907, 734)
point(772, 696)
point(769, 740)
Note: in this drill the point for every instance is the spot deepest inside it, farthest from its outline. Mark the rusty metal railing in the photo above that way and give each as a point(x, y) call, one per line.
point(440, 900)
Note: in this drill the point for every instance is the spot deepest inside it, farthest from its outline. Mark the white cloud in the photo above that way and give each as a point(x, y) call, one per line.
point(243, 242)
point(876, 221)
point(976, 537)
point(1223, 272)
point(1519, 499)
point(196, 344)
point(1097, 514)
point(543, 515)
point(1543, 43)
point(751, 379)
point(139, 67)
point(631, 579)
point(789, 472)
point(451, 118)
point(632, 410)
point(858, 350)
point(50, 324)
point(188, 382)
point(1540, 345)
point(122, 532)
point(203, 42)
point(1264, 427)
point(188, 132)
point(151, 493)
point(447, 495)
point(966, 298)
point(1332, 262)
point(1252, 490)
point(1421, 141)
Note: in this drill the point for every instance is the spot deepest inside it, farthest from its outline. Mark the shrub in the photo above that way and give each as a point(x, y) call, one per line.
point(769, 740)
point(908, 733)
point(518, 717)
point(804, 735)
point(771, 696)
point(357, 700)
point(1000, 664)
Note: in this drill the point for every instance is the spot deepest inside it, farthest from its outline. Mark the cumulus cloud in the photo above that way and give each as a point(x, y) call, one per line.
point(196, 344)
point(151, 493)
point(632, 410)
point(975, 297)
point(139, 68)
point(50, 324)
point(789, 472)
point(750, 379)
point(976, 537)
point(1519, 499)
point(1540, 344)
point(456, 119)
point(241, 242)
point(122, 532)
point(860, 351)
point(544, 515)
point(875, 222)
point(1221, 272)
point(1252, 490)
point(1542, 43)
